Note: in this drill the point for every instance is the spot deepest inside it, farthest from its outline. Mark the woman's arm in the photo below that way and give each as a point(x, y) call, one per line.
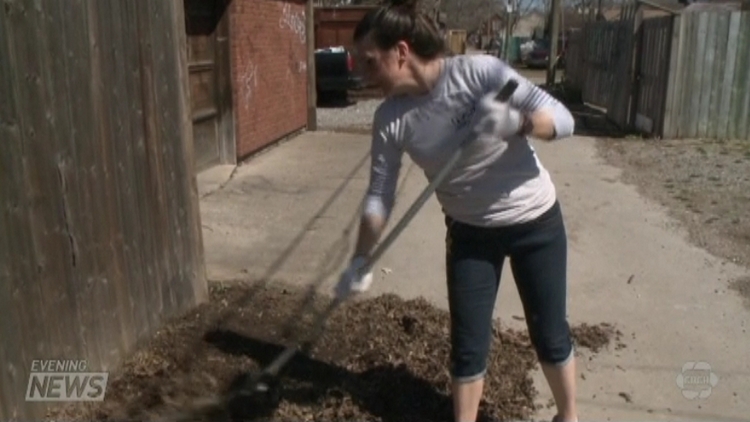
point(381, 192)
point(544, 117)
point(548, 123)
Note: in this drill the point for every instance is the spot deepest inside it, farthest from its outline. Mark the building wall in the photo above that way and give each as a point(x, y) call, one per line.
point(269, 71)
point(334, 26)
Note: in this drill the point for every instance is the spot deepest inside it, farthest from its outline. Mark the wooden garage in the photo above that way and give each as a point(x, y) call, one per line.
point(239, 54)
point(207, 27)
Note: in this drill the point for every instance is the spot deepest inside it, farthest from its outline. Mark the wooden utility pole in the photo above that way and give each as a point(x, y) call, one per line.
point(554, 34)
point(312, 95)
point(510, 10)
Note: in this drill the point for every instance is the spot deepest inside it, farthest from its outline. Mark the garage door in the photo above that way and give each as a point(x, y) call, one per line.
point(210, 93)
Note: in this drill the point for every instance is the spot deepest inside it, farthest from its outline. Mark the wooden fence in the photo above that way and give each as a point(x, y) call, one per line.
point(599, 61)
point(101, 237)
point(652, 74)
point(575, 59)
point(675, 76)
point(456, 41)
point(709, 90)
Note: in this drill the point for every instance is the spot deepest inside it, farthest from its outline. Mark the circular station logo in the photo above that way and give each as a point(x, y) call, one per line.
point(696, 380)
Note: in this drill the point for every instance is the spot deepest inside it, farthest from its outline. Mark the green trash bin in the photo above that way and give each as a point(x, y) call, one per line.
point(514, 50)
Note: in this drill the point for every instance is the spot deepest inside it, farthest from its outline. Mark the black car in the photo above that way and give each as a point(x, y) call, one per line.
point(335, 72)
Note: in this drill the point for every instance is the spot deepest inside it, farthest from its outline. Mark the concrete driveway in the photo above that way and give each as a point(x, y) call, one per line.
point(290, 215)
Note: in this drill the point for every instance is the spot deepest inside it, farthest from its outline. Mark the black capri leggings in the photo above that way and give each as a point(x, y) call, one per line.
point(474, 260)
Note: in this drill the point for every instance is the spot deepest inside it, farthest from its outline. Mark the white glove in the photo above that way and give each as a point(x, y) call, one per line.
point(497, 119)
point(350, 282)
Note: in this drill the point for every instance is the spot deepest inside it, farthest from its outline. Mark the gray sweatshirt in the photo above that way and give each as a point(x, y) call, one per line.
point(497, 182)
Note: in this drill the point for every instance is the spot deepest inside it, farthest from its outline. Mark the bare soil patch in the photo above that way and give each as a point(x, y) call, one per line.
point(381, 359)
point(705, 185)
point(742, 287)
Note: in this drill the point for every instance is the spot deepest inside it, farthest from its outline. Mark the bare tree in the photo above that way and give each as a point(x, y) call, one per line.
point(470, 14)
point(520, 9)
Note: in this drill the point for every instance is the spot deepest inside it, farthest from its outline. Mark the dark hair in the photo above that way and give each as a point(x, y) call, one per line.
point(399, 20)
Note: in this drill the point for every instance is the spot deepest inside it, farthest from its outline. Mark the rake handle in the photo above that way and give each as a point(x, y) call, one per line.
point(504, 95)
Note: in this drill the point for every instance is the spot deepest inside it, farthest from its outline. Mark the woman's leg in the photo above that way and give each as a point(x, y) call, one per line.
point(466, 398)
point(473, 264)
point(539, 262)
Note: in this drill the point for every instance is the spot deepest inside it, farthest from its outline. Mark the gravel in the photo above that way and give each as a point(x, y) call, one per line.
point(704, 183)
point(356, 116)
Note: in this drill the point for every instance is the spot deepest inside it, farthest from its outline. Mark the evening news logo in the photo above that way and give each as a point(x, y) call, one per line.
point(65, 380)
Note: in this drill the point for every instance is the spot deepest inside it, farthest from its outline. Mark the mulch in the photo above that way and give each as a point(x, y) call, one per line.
point(379, 359)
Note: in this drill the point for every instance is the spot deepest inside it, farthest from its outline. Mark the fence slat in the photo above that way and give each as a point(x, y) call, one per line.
point(38, 183)
point(721, 29)
point(741, 79)
point(73, 16)
point(23, 181)
point(167, 80)
point(653, 65)
point(158, 140)
point(96, 154)
point(56, 65)
point(665, 47)
point(707, 75)
point(654, 68)
point(576, 73)
point(648, 72)
point(117, 57)
point(140, 241)
point(640, 64)
point(696, 86)
point(148, 156)
point(681, 76)
point(185, 217)
point(93, 192)
point(728, 74)
point(132, 189)
point(620, 71)
point(691, 28)
point(671, 108)
point(12, 225)
point(9, 384)
point(191, 262)
point(744, 111)
point(170, 130)
point(121, 261)
point(7, 112)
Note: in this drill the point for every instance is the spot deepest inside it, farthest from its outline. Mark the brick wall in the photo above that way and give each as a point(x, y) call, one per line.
point(269, 71)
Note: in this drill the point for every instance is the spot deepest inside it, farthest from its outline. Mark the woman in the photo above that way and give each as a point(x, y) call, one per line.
point(499, 200)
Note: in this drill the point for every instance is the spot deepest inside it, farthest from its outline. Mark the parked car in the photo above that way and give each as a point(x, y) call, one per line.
point(535, 54)
point(334, 72)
